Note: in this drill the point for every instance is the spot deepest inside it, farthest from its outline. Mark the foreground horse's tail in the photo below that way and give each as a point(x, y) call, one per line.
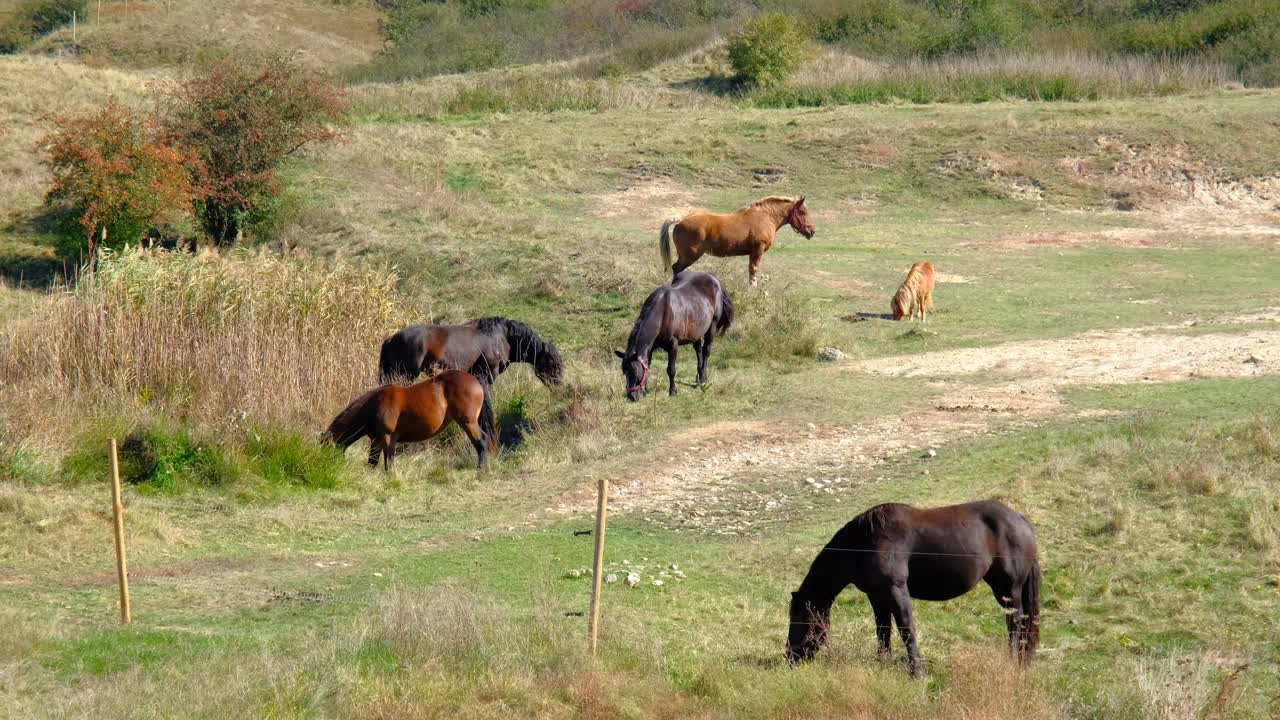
point(726, 312)
point(352, 423)
point(1031, 608)
point(664, 242)
point(488, 428)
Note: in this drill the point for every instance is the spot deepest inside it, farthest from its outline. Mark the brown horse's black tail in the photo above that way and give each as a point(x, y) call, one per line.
point(726, 312)
point(1031, 608)
point(488, 428)
point(352, 423)
point(664, 243)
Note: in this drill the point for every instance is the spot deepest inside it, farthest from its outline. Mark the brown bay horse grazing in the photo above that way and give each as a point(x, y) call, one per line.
point(694, 308)
point(392, 414)
point(749, 232)
point(894, 553)
point(915, 295)
point(483, 347)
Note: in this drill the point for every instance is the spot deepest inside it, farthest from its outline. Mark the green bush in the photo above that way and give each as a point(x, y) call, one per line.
point(284, 458)
point(110, 173)
point(34, 18)
point(768, 50)
point(159, 458)
point(154, 458)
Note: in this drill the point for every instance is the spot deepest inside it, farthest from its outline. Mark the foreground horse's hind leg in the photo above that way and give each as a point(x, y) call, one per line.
point(901, 608)
point(705, 355)
point(479, 442)
point(389, 453)
point(1009, 596)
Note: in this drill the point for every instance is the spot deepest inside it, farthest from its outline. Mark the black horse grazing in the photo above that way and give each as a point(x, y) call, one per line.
point(896, 552)
point(692, 309)
point(483, 348)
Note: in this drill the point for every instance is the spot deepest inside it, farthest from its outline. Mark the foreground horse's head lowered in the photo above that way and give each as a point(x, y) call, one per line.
point(636, 371)
point(808, 631)
point(798, 219)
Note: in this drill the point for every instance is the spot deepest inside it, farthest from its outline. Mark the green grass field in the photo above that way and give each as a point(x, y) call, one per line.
point(1110, 373)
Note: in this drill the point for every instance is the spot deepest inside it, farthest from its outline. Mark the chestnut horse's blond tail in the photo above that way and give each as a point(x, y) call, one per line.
point(664, 242)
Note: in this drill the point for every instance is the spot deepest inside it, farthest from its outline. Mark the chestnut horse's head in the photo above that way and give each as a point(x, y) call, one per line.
point(798, 219)
point(808, 631)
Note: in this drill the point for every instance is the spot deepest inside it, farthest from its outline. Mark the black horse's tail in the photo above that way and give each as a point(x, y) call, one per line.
point(352, 423)
point(488, 428)
point(1031, 609)
point(399, 360)
point(726, 312)
point(386, 361)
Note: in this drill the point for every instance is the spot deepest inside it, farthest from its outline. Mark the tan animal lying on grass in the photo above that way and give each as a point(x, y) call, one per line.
point(916, 293)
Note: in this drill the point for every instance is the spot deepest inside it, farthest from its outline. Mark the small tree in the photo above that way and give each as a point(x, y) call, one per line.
point(112, 172)
point(768, 50)
point(242, 120)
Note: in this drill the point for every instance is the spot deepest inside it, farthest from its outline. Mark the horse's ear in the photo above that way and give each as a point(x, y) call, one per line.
point(800, 202)
point(620, 354)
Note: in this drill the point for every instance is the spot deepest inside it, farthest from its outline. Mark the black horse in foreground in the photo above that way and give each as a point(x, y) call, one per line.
point(483, 348)
point(694, 308)
point(894, 553)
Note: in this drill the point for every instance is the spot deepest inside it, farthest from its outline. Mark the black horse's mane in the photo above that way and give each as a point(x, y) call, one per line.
point(649, 304)
point(525, 345)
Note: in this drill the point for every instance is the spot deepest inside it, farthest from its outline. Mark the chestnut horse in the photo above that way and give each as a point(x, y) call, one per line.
point(915, 295)
point(694, 308)
point(483, 347)
point(896, 552)
point(392, 414)
point(749, 231)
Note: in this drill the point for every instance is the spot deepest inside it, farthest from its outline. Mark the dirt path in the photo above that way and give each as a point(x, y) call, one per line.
point(733, 476)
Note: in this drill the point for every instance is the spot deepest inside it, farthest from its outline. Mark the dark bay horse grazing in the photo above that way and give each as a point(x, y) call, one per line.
point(749, 232)
point(483, 347)
point(694, 308)
point(896, 552)
point(916, 294)
point(392, 414)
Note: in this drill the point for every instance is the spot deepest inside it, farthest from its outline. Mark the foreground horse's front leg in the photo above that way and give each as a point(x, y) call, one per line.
point(753, 268)
point(374, 451)
point(901, 607)
point(671, 367)
point(697, 354)
point(881, 607)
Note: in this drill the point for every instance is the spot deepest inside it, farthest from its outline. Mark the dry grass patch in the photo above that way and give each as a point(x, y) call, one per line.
point(318, 33)
point(27, 109)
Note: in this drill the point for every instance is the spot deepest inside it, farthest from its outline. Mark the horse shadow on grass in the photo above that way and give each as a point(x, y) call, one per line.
point(864, 316)
point(726, 86)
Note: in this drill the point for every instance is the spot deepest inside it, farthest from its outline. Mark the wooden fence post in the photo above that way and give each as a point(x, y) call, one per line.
point(597, 567)
point(117, 512)
point(73, 26)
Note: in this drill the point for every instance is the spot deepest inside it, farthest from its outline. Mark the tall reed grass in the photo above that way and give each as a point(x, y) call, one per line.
point(211, 341)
